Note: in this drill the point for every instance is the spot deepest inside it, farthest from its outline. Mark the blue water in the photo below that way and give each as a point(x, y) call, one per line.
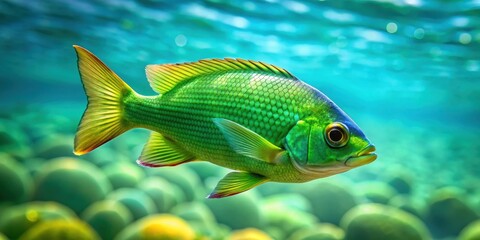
point(408, 72)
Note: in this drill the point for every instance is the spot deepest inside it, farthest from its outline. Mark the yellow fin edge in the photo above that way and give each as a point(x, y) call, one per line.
point(102, 119)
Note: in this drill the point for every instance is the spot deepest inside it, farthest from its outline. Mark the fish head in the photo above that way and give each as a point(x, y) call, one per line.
point(327, 145)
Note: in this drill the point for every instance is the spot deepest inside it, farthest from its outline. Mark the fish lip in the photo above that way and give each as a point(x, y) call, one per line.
point(318, 172)
point(363, 157)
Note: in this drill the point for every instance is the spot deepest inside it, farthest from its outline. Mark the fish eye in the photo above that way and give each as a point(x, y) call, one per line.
point(336, 134)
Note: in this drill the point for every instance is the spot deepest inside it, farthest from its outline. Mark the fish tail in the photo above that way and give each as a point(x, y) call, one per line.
point(103, 118)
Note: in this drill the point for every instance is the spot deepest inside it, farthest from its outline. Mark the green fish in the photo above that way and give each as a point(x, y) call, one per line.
point(252, 117)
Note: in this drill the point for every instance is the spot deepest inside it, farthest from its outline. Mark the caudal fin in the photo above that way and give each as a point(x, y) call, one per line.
point(103, 118)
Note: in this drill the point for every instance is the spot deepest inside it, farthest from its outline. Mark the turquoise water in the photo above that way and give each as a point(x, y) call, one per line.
point(406, 71)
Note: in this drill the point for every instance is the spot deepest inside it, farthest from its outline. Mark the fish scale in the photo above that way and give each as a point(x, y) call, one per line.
point(191, 104)
point(185, 113)
point(244, 115)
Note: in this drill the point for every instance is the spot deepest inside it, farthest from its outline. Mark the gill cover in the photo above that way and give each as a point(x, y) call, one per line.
point(306, 144)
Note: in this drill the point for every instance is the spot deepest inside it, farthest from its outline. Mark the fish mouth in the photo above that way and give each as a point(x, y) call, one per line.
point(363, 157)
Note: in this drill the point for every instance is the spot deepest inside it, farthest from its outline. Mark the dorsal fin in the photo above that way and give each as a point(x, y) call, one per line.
point(164, 77)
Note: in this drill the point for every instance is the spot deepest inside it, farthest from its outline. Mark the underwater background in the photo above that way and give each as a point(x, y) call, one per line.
point(407, 72)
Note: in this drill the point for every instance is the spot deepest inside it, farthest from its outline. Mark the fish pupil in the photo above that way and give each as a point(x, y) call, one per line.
point(335, 135)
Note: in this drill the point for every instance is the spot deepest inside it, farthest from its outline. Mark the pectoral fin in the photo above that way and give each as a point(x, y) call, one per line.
point(236, 182)
point(159, 151)
point(246, 142)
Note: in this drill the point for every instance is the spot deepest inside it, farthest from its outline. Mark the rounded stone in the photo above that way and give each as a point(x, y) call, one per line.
point(160, 226)
point(107, 218)
point(238, 212)
point(15, 181)
point(105, 156)
point(376, 221)
point(329, 201)
point(292, 201)
point(13, 140)
point(471, 232)
point(123, 174)
point(16, 220)
point(194, 211)
point(164, 194)
point(137, 202)
point(249, 233)
point(282, 221)
point(408, 204)
point(323, 231)
point(209, 230)
point(60, 229)
point(201, 219)
point(401, 182)
point(184, 178)
point(54, 146)
point(375, 192)
point(447, 213)
point(71, 182)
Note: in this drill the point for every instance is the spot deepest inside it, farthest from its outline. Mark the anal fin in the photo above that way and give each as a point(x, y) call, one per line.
point(237, 182)
point(159, 151)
